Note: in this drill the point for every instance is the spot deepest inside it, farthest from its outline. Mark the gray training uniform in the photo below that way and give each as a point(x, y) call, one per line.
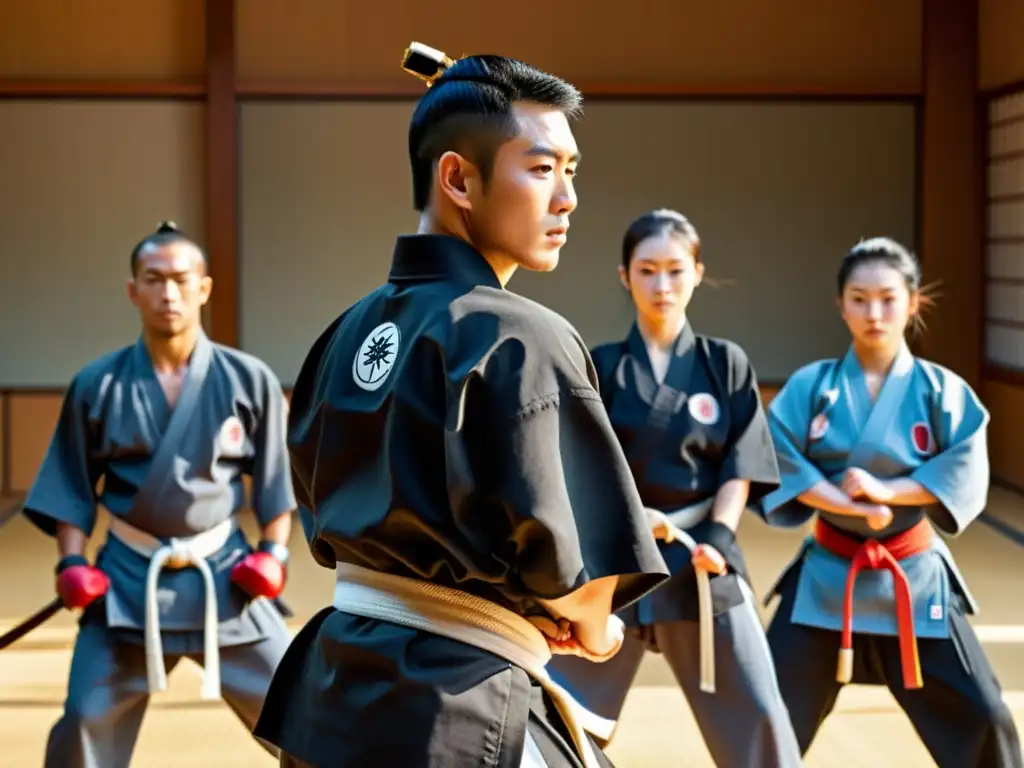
point(684, 438)
point(167, 474)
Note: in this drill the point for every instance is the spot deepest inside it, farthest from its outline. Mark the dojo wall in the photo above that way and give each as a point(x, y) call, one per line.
point(82, 180)
point(83, 170)
point(777, 190)
point(74, 64)
point(1000, 76)
point(740, 45)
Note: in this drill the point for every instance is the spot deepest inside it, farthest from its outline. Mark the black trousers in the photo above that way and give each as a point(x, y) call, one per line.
point(959, 714)
point(545, 726)
point(353, 692)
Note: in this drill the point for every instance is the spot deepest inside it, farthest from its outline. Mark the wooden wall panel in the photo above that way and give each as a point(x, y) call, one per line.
point(951, 180)
point(33, 416)
point(101, 39)
point(841, 45)
point(220, 191)
point(4, 443)
point(1005, 402)
point(1001, 55)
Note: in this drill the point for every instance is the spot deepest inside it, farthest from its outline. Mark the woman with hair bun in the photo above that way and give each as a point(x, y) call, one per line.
point(687, 411)
point(884, 446)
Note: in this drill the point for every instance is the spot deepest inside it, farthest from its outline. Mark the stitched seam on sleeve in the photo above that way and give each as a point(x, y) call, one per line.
point(553, 400)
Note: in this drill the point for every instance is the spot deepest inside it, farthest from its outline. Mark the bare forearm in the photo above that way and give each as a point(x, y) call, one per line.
point(828, 498)
point(908, 493)
point(278, 530)
point(843, 501)
point(591, 602)
point(589, 610)
point(730, 501)
point(70, 540)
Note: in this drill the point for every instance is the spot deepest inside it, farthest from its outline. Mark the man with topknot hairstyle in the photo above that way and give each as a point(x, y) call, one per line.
point(455, 466)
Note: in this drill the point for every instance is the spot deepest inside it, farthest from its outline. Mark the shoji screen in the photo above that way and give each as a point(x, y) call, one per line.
point(1004, 313)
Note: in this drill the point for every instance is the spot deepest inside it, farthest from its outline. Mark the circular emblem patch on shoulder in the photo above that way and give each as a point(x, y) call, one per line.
point(819, 426)
point(704, 408)
point(376, 357)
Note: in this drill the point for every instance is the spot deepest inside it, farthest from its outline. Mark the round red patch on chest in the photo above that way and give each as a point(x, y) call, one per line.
point(921, 437)
point(704, 408)
point(232, 436)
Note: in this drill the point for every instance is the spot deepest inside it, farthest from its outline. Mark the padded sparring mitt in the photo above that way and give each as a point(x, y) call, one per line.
point(262, 573)
point(79, 583)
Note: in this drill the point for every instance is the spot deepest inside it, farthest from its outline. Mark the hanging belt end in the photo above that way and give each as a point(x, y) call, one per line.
point(157, 676)
point(912, 678)
point(211, 688)
point(844, 669)
point(707, 631)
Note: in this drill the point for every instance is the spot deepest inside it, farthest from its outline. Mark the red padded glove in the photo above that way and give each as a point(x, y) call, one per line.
point(79, 583)
point(260, 574)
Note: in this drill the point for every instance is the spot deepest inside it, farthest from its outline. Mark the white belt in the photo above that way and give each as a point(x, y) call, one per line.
point(468, 619)
point(191, 551)
point(687, 517)
point(679, 520)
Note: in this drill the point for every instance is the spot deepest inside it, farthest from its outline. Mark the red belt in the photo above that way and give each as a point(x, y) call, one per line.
point(874, 555)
